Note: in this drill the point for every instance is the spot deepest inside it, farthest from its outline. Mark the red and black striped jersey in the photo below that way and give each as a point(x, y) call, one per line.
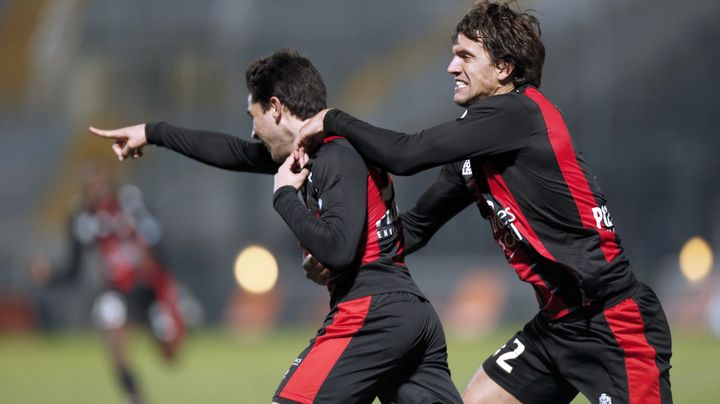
point(349, 222)
point(512, 154)
point(348, 218)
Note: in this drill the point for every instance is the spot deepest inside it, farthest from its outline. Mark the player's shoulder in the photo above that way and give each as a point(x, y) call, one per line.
point(511, 102)
point(337, 150)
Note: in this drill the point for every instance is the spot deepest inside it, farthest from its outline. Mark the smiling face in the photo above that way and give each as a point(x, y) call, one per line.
point(476, 76)
point(267, 129)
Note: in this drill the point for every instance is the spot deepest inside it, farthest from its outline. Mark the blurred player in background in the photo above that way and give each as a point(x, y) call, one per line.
point(112, 231)
point(382, 338)
point(599, 330)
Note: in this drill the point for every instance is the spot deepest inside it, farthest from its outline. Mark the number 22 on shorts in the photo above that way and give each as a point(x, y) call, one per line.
point(502, 359)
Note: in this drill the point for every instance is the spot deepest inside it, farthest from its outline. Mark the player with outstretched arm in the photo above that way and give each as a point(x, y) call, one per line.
point(382, 337)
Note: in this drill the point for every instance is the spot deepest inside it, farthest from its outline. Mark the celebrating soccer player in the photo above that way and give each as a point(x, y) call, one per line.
point(381, 338)
point(599, 331)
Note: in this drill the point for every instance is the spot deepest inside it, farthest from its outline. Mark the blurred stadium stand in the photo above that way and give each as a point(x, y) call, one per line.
point(636, 81)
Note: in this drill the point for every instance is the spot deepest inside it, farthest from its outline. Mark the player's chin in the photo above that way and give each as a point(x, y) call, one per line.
point(461, 100)
point(275, 156)
point(460, 96)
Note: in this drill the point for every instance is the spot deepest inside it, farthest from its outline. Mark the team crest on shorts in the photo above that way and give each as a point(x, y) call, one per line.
point(605, 399)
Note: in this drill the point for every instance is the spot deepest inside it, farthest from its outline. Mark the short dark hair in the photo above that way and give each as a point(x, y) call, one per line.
point(508, 37)
point(290, 77)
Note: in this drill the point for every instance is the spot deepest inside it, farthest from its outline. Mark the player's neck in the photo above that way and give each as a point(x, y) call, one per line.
point(294, 124)
point(504, 89)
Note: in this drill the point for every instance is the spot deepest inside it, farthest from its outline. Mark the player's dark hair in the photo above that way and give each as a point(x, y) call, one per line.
point(508, 37)
point(290, 77)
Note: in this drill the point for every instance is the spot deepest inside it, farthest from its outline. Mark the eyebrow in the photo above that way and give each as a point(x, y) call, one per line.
point(463, 52)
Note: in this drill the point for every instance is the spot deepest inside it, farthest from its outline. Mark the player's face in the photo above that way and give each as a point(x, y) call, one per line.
point(266, 128)
point(475, 74)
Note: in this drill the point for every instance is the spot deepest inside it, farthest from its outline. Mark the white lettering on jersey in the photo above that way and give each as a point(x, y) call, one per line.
point(504, 230)
point(384, 227)
point(602, 217)
point(466, 168)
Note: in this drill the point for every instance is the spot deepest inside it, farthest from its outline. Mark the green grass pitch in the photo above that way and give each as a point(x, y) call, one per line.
point(218, 367)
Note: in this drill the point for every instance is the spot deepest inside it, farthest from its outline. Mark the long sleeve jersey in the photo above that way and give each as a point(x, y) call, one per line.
point(513, 156)
point(347, 217)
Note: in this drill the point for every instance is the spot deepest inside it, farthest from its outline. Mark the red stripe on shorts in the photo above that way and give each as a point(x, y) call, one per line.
point(628, 327)
point(305, 383)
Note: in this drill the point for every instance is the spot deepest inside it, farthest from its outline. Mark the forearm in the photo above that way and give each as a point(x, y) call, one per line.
point(395, 152)
point(400, 153)
point(490, 127)
point(443, 199)
point(419, 228)
point(212, 148)
point(326, 239)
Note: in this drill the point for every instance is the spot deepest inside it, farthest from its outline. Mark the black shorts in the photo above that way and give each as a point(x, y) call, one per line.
point(620, 354)
point(389, 345)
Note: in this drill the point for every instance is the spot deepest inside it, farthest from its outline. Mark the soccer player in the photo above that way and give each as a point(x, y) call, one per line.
point(599, 331)
point(381, 338)
point(115, 232)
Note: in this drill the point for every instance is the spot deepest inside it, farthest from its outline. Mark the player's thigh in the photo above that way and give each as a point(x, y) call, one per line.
point(360, 343)
point(426, 385)
point(522, 370)
point(300, 384)
point(424, 375)
point(483, 389)
point(110, 311)
point(621, 355)
point(657, 334)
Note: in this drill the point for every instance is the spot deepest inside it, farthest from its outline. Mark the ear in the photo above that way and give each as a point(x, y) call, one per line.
point(504, 71)
point(276, 107)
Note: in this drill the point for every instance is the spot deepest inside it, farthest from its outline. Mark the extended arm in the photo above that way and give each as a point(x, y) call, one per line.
point(443, 199)
point(333, 236)
point(212, 148)
point(490, 127)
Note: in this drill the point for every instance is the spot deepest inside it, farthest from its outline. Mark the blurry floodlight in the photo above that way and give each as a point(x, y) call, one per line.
point(256, 269)
point(696, 259)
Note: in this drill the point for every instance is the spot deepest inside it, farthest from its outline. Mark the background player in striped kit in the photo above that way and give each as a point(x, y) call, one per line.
point(112, 231)
point(599, 330)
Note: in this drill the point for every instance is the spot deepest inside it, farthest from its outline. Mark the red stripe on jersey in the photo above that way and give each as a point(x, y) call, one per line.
point(643, 376)
point(305, 383)
point(375, 211)
point(501, 193)
point(331, 138)
point(571, 171)
point(553, 304)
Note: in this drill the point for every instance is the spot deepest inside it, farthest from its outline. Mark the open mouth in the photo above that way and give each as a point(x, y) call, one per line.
point(459, 84)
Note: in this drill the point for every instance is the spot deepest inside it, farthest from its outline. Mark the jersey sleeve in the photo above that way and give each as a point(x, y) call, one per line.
point(442, 200)
point(339, 176)
point(213, 148)
point(491, 126)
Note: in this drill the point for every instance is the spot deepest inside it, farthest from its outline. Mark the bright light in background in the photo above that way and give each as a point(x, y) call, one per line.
point(256, 269)
point(696, 259)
